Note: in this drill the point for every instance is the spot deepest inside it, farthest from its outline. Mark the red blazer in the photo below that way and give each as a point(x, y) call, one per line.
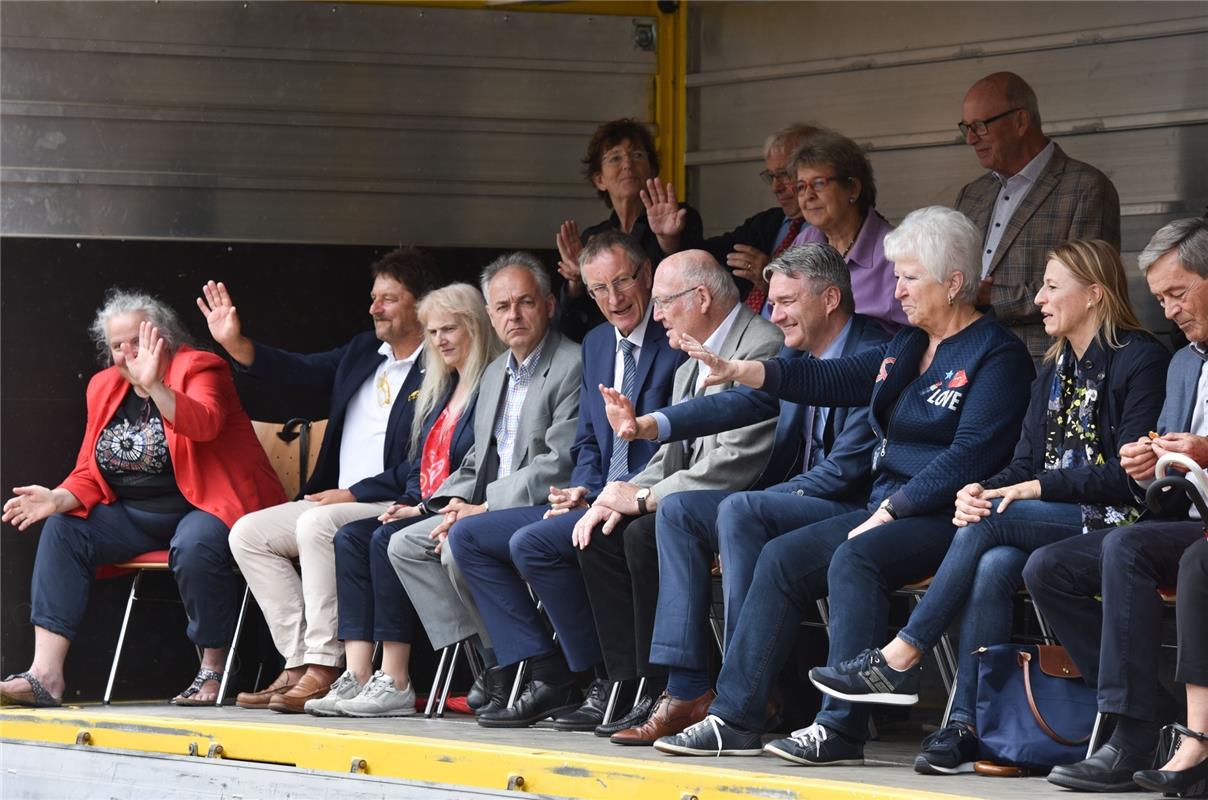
point(219, 464)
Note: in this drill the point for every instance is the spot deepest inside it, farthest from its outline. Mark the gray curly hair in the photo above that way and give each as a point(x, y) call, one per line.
point(131, 301)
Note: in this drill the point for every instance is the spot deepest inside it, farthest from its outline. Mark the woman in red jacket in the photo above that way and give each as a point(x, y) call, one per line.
point(169, 458)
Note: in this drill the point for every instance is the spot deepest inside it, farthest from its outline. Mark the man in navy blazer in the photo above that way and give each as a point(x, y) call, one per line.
point(820, 466)
point(362, 465)
point(629, 351)
point(1116, 642)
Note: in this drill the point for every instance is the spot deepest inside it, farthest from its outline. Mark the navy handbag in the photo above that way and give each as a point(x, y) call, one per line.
point(1033, 709)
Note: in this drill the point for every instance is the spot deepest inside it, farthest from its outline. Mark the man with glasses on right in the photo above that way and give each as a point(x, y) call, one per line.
point(1033, 198)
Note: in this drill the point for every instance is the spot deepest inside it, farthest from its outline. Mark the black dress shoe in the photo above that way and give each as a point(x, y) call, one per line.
point(1190, 782)
point(476, 698)
point(633, 718)
point(497, 684)
point(1109, 769)
point(587, 716)
point(538, 701)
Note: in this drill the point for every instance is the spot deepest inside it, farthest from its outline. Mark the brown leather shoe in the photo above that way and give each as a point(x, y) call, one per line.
point(260, 699)
point(670, 716)
point(312, 686)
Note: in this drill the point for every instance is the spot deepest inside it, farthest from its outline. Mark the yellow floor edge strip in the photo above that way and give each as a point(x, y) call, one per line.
point(439, 761)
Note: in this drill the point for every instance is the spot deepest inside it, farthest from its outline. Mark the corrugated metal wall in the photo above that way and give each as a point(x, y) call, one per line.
point(1122, 85)
point(307, 122)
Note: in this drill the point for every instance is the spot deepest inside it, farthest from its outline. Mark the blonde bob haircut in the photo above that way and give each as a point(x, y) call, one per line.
point(1094, 261)
point(464, 303)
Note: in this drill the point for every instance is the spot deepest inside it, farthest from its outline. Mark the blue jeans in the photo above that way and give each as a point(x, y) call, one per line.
point(980, 576)
point(692, 526)
point(71, 548)
point(372, 604)
point(798, 568)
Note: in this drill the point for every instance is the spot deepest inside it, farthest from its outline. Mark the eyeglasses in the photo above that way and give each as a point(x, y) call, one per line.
point(663, 302)
point(817, 184)
point(979, 126)
point(599, 292)
point(383, 391)
point(769, 177)
point(634, 156)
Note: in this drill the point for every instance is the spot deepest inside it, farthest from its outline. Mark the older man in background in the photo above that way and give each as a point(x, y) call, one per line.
point(1033, 198)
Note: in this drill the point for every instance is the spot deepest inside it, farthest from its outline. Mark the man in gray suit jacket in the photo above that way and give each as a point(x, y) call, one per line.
point(693, 296)
point(524, 425)
point(1034, 198)
point(1116, 642)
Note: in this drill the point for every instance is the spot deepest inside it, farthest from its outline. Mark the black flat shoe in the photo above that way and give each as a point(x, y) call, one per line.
point(538, 701)
point(589, 715)
point(632, 719)
point(1109, 769)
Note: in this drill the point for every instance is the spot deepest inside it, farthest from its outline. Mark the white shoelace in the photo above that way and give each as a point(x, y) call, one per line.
point(346, 679)
point(810, 737)
point(379, 684)
point(713, 725)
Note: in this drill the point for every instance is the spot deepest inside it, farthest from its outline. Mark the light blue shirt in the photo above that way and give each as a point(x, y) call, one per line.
point(821, 413)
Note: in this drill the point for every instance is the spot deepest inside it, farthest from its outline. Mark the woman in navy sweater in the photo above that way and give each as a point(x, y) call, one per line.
point(1102, 385)
point(947, 397)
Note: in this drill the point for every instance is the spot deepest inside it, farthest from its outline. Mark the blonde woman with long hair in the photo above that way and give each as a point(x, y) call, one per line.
point(459, 343)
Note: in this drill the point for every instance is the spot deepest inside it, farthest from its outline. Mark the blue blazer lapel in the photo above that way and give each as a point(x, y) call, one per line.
point(650, 349)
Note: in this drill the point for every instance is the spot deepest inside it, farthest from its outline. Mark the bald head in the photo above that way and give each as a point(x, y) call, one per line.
point(692, 294)
point(1007, 106)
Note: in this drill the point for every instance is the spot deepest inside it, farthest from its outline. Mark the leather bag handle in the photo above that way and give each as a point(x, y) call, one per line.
point(1025, 661)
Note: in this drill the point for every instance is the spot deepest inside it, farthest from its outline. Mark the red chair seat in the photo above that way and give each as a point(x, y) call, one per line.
point(152, 559)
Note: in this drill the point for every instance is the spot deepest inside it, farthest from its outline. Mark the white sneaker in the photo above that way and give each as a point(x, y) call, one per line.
point(345, 688)
point(379, 698)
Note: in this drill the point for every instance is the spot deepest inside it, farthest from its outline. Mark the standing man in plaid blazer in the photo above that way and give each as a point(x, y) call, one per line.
point(1033, 198)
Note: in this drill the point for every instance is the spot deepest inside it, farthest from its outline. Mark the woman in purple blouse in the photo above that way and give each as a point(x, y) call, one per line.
point(838, 196)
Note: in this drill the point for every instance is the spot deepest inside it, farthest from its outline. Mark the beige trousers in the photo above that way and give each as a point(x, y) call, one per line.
point(300, 609)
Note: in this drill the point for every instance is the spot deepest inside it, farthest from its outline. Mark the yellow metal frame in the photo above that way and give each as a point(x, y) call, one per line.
point(671, 51)
point(414, 758)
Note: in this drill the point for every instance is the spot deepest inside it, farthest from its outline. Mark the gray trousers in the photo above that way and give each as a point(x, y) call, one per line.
point(435, 585)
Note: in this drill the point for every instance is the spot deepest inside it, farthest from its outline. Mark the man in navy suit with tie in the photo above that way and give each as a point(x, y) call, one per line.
point(630, 352)
point(820, 466)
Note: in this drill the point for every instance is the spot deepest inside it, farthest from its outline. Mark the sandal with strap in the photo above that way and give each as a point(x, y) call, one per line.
point(185, 698)
point(37, 697)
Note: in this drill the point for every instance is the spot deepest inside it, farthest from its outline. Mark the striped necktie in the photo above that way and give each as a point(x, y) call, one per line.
point(619, 465)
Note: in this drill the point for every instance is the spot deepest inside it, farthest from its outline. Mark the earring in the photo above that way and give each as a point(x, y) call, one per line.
point(951, 299)
point(851, 201)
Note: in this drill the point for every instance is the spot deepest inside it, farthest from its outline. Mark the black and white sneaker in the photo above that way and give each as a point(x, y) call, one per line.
point(816, 746)
point(868, 679)
point(949, 751)
point(711, 737)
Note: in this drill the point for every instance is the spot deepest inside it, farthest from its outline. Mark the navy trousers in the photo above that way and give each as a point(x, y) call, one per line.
point(372, 604)
point(1114, 642)
point(498, 552)
point(798, 568)
point(1192, 614)
point(691, 527)
point(71, 548)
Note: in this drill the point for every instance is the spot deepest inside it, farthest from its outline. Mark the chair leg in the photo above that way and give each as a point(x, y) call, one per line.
point(948, 705)
point(613, 694)
point(430, 708)
point(638, 695)
point(121, 637)
point(230, 661)
point(1097, 731)
point(516, 684)
point(444, 692)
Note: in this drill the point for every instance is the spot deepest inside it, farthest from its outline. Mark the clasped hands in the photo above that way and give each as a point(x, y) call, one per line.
point(455, 510)
point(973, 500)
point(619, 499)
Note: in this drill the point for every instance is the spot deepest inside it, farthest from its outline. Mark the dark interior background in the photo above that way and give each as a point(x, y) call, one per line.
point(303, 297)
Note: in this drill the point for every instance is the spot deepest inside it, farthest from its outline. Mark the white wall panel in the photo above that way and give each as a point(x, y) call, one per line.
point(342, 123)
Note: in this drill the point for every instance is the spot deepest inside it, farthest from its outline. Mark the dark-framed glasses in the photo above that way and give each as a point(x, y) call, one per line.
point(769, 177)
point(980, 126)
point(599, 291)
